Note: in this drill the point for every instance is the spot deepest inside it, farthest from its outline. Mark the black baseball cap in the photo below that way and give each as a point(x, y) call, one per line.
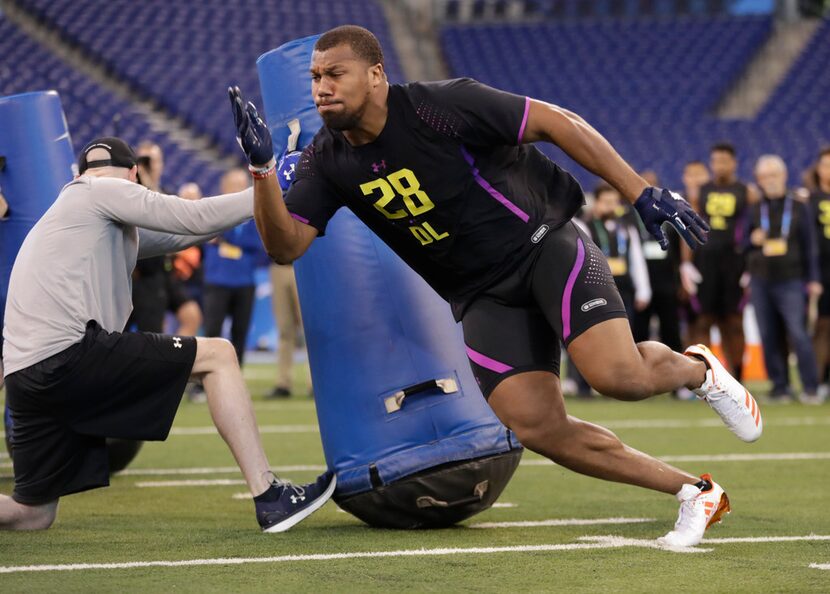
point(121, 154)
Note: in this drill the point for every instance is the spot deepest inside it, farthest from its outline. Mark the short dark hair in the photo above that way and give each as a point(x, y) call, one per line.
point(362, 41)
point(724, 147)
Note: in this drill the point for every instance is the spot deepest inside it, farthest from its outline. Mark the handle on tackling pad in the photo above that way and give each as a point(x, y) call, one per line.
point(478, 494)
point(395, 401)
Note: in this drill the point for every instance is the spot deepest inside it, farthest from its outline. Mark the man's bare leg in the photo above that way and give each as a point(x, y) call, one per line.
point(17, 516)
point(732, 338)
point(531, 404)
point(617, 367)
point(231, 408)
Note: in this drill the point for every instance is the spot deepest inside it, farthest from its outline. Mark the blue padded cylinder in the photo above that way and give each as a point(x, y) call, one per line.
point(39, 161)
point(373, 327)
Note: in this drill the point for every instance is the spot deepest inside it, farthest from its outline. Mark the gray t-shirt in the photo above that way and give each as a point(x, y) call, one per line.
point(76, 263)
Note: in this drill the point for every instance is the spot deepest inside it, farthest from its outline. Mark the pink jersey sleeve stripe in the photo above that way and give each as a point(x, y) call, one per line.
point(524, 120)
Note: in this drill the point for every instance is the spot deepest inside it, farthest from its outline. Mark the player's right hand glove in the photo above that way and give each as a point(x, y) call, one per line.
point(252, 133)
point(656, 206)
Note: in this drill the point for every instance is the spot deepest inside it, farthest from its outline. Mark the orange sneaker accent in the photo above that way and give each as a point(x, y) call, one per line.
point(723, 508)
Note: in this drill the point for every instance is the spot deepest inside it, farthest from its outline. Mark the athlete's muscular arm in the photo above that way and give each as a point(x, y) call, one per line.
point(588, 148)
point(284, 237)
point(584, 145)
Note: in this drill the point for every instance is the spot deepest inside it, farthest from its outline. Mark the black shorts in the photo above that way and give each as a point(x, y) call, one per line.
point(63, 408)
point(516, 325)
point(824, 300)
point(720, 293)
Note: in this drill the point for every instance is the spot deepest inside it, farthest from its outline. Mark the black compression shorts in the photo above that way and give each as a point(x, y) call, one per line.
point(111, 384)
point(516, 325)
point(720, 293)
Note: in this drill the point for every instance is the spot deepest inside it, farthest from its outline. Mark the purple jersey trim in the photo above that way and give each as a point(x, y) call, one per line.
point(487, 362)
point(299, 218)
point(569, 288)
point(524, 120)
point(490, 189)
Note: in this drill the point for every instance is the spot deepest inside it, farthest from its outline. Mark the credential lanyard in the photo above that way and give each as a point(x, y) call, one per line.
point(605, 242)
point(786, 218)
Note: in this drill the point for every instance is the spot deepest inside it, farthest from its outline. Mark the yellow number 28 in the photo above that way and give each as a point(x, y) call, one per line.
point(405, 185)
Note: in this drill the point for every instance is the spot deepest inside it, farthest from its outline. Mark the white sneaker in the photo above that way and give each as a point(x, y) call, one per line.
point(698, 510)
point(733, 403)
point(810, 399)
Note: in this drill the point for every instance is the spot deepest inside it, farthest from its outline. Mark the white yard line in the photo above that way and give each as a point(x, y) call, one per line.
point(191, 483)
point(824, 566)
point(567, 522)
point(606, 543)
point(213, 470)
point(611, 424)
point(211, 430)
point(586, 543)
point(769, 457)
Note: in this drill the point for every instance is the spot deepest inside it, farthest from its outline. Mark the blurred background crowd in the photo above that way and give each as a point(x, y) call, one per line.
point(723, 101)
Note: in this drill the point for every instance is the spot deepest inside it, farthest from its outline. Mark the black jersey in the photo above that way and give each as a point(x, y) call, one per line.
point(724, 208)
point(820, 201)
point(447, 184)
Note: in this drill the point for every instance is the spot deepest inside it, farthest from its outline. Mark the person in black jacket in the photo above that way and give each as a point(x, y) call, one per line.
point(783, 260)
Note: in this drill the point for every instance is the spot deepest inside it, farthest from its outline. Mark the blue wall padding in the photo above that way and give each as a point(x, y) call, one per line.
point(373, 326)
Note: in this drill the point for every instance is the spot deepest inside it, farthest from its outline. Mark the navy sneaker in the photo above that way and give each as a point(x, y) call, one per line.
point(285, 504)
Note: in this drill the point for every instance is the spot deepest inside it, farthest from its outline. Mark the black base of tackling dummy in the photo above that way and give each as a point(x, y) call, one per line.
point(438, 497)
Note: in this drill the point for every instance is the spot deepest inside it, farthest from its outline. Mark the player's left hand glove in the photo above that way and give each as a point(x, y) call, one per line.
point(252, 133)
point(656, 206)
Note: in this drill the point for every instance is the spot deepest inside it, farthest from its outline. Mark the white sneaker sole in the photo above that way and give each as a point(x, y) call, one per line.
point(301, 515)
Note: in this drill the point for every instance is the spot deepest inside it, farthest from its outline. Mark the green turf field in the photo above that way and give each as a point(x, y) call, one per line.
point(139, 519)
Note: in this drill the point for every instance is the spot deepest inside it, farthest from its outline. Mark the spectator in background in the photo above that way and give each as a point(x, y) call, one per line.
point(230, 262)
point(664, 280)
point(151, 165)
point(187, 264)
point(783, 258)
point(619, 241)
point(150, 296)
point(820, 203)
point(286, 307)
point(695, 176)
point(716, 268)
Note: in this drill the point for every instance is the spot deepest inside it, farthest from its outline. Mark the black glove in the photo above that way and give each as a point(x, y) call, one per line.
point(252, 133)
point(656, 206)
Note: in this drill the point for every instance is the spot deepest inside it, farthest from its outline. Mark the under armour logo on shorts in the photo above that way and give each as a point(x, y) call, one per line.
point(177, 342)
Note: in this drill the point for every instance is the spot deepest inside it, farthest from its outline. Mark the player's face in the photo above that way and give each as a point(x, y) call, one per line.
point(341, 84)
point(606, 204)
point(823, 169)
point(694, 176)
point(723, 164)
point(772, 179)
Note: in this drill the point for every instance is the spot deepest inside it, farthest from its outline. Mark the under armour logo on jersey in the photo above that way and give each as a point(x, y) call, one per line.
point(376, 167)
point(295, 498)
point(288, 173)
point(177, 342)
